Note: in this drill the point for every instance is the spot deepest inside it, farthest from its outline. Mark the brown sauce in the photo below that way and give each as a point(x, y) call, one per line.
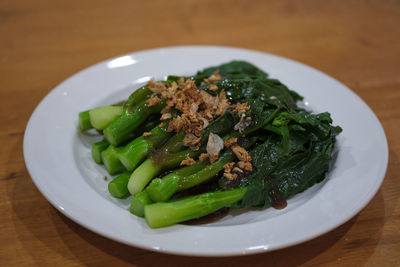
point(165, 151)
point(210, 218)
point(164, 173)
point(278, 202)
point(159, 156)
point(280, 205)
point(197, 190)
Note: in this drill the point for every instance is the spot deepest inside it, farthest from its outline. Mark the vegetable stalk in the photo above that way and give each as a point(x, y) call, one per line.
point(160, 190)
point(84, 121)
point(123, 128)
point(118, 187)
point(170, 155)
point(111, 161)
point(135, 151)
point(139, 201)
point(136, 98)
point(150, 168)
point(167, 213)
point(96, 150)
point(101, 117)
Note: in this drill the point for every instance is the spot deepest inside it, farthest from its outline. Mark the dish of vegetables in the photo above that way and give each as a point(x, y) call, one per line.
point(229, 126)
point(205, 150)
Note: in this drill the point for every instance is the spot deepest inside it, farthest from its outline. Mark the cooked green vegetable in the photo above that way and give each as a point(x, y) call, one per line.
point(103, 116)
point(84, 121)
point(110, 160)
point(139, 201)
point(124, 127)
point(233, 70)
point(96, 150)
point(136, 98)
point(160, 190)
point(274, 179)
point(134, 152)
point(171, 155)
point(283, 169)
point(118, 187)
point(167, 213)
point(228, 126)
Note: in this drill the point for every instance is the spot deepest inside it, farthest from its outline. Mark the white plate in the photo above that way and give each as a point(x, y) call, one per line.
point(58, 156)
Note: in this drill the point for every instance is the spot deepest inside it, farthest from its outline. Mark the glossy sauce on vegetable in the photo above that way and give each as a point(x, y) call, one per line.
point(210, 218)
point(280, 205)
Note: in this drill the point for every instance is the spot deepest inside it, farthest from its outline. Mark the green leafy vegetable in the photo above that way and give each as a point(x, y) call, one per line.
point(290, 147)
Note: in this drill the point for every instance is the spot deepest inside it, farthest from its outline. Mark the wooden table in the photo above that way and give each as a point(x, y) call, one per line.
point(43, 42)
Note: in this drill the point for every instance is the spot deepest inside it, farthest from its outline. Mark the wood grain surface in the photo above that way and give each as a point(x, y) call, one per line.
point(43, 42)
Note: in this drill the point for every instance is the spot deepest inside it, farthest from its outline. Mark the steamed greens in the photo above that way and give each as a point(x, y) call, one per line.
point(229, 128)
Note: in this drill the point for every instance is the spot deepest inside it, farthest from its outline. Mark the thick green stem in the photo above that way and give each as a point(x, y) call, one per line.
point(174, 144)
point(96, 150)
point(167, 156)
point(135, 151)
point(119, 186)
point(155, 164)
point(151, 122)
point(137, 97)
point(160, 190)
point(173, 160)
point(167, 213)
point(111, 161)
point(124, 127)
point(142, 176)
point(206, 173)
point(84, 121)
point(101, 117)
point(139, 201)
point(150, 168)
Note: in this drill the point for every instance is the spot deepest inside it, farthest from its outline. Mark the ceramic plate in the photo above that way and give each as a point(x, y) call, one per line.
point(58, 156)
